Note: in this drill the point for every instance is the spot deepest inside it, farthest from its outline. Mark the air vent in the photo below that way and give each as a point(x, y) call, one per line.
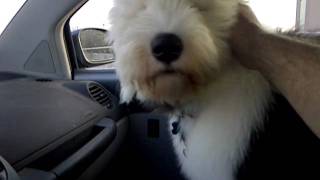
point(99, 94)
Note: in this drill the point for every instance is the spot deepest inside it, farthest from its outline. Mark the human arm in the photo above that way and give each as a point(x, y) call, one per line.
point(293, 67)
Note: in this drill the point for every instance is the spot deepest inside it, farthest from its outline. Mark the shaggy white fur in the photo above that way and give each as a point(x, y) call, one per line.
point(217, 131)
point(217, 101)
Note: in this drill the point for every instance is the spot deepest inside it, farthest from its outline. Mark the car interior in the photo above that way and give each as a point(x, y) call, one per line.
point(61, 116)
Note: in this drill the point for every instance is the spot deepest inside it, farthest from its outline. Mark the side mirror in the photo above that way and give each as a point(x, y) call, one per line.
point(93, 47)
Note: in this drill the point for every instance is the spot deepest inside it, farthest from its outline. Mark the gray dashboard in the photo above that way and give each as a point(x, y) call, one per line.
point(54, 125)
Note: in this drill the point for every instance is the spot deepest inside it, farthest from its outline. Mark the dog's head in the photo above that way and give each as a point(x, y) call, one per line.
point(167, 49)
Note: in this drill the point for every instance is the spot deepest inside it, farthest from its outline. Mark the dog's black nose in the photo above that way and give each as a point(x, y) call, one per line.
point(166, 47)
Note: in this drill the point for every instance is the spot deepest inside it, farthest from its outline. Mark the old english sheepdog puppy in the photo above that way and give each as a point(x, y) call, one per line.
point(174, 52)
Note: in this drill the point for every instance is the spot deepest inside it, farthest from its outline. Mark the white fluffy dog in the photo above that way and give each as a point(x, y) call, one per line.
point(174, 52)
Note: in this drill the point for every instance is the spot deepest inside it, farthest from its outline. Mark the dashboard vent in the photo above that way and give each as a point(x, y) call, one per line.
point(99, 94)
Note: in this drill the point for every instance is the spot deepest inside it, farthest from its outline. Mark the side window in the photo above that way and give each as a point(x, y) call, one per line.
point(89, 27)
point(8, 10)
point(288, 15)
point(275, 14)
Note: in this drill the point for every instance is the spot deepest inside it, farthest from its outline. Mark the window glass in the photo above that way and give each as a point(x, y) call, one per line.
point(8, 9)
point(276, 14)
point(94, 14)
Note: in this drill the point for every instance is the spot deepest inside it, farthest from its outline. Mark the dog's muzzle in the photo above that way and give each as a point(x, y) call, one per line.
point(167, 47)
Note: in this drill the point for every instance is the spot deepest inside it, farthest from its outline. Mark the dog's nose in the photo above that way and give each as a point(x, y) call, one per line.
point(167, 47)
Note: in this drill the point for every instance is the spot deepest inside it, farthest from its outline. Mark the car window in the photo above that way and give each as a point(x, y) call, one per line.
point(94, 14)
point(8, 8)
point(284, 15)
point(275, 14)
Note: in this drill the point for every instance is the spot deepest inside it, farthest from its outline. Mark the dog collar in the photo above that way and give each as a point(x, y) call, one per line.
point(177, 130)
point(175, 127)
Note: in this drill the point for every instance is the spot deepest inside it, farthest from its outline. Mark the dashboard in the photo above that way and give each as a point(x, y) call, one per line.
point(55, 128)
